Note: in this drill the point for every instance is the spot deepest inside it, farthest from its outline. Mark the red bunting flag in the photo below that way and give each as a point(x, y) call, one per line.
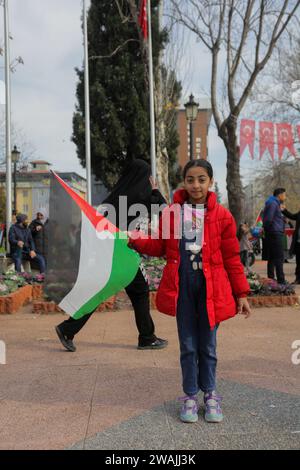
point(266, 138)
point(298, 130)
point(143, 19)
point(247, 135)
point(285, 139)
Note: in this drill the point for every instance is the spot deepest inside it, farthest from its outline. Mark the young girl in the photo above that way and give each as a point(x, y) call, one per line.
point(203, 282)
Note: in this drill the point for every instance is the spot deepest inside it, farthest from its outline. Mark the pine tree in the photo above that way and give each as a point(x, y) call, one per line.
point(118, 91)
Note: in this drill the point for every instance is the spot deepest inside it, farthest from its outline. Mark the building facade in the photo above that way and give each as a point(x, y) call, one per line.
point(200, 134)
point(33, 187)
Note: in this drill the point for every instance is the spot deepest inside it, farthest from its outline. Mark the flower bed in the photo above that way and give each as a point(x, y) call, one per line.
point(16, 289)
point(261, 286)
point(154, 268)
point(13, 301)
point(255, 302)
point(264, 292)
point(10, 282)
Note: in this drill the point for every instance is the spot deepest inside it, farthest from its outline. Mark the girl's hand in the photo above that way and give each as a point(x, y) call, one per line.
point(127, 233)
point(244, 307)
point(153, 183)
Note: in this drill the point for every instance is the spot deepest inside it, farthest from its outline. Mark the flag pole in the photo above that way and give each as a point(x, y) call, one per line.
point(8, 122)
point(151, 93)
point(87, 109)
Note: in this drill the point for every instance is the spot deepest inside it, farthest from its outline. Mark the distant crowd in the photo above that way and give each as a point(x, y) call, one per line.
point(273, 233)
point(30, 242)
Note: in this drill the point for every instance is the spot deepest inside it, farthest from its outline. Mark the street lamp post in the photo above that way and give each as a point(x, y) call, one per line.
point(87, 107)
point(7, 119)
point(191, 109)
point(15, 157)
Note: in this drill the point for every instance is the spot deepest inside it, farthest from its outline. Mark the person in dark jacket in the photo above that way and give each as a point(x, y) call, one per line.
point(39, 231)
point(136, 184)
point(273, 222)
point(295, 246)
point(22, 245)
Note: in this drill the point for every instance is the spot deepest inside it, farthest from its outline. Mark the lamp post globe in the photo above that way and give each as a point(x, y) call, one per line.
point(191, 110)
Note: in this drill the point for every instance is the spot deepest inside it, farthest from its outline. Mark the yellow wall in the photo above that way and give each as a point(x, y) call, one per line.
point(24, 200)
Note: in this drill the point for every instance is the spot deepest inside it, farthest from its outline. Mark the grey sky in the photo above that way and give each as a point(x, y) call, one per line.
point(47, 35)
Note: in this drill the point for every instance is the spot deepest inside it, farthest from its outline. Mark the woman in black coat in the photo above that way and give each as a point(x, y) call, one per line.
point(39, 229)
point(137, 185)
point(295, 246)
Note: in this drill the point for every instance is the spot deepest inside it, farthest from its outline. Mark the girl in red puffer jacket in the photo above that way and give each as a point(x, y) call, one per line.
point(203, 282)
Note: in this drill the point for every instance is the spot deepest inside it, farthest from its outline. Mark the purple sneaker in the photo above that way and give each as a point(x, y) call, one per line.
point(213, 411)
point(189, 410)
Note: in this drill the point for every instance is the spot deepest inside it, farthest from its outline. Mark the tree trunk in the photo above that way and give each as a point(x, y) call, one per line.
point(162, 157)
point(233, 180)
point(162, 164)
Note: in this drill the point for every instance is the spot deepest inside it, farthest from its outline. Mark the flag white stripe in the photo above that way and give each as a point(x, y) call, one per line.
point(95, 265)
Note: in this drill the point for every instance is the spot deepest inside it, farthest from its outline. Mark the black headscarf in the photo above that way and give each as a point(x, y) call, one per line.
point(135, 184)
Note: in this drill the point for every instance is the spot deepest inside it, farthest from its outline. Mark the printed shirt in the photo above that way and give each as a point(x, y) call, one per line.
point(193, 224)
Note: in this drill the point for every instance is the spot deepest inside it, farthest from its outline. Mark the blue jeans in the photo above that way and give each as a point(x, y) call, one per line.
point(197, 341)
point(20, 255)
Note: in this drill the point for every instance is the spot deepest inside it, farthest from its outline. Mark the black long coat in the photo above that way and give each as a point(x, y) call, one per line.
point(40, 237)
point(296, 217)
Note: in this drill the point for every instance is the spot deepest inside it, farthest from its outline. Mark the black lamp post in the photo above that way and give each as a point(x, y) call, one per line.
point(15, 157)
point(191, 109)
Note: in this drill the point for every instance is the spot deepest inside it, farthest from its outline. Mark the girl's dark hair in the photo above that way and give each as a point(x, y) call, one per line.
point(198, 163)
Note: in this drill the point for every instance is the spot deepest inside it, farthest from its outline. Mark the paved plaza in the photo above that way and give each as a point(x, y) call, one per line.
point(108, 395)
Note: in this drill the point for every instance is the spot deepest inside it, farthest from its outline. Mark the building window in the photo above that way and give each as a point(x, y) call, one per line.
point(25, 192)
point(25, 208)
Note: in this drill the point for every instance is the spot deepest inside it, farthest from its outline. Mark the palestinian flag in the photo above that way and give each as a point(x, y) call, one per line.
point(88, 257)
point(257, 230)
point(259, 221)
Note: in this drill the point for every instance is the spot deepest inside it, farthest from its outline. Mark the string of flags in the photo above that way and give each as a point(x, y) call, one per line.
point(269, 134)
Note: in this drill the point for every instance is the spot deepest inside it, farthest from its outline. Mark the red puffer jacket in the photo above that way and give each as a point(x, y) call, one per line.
point(222, 267)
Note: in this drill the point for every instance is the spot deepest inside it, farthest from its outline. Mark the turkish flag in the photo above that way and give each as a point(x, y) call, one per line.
point(285, 139)
point(143, 18)
point(298, 130)
point(247, 135)
point(266, 138)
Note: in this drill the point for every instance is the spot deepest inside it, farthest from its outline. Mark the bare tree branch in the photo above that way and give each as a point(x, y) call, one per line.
point(94, 57)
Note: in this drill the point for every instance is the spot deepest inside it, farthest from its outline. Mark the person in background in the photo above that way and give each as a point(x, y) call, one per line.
point(39, 231)
point(22, 245)
point(273, 224)
point(287, 225)
point(295, 246)
point(243, 236)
